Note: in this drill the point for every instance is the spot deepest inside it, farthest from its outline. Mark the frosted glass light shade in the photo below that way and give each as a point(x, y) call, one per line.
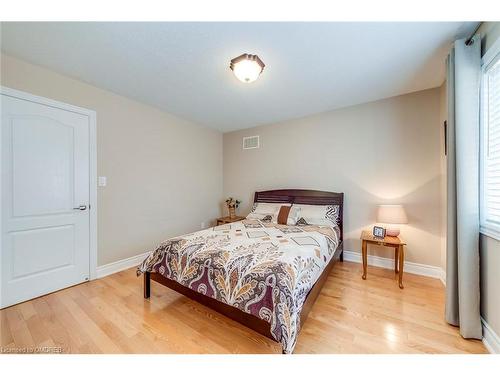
point(391, 214)
point(247, 68)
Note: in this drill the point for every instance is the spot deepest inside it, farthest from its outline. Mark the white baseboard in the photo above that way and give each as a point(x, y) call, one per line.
point(120, 265)
point(350, 256)
point(442, 276)
point(490, 338)
point(410, 267)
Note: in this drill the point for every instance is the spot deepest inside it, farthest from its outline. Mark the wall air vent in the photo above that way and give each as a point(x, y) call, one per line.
point(251, 142)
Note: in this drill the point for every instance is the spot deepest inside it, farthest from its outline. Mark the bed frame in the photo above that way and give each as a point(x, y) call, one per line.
point(261, 326)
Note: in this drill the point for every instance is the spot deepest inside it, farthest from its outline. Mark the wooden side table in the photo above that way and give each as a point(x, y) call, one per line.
point(227, 219)
point(395, 242)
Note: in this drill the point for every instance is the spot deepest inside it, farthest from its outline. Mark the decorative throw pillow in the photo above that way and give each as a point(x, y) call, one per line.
point(283, 215)
point(301, 221)
point(333, 213)
point(267, 218)
point(320, 214)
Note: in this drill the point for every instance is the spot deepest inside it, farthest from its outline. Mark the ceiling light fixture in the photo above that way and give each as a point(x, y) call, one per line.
point(247, 68)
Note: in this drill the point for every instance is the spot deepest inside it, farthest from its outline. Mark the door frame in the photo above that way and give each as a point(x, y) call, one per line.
point(92, 167)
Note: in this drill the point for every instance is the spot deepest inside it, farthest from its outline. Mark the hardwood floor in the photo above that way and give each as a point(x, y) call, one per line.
point(350, 316)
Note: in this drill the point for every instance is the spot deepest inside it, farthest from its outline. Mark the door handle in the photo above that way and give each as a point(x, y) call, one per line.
point(81, 207)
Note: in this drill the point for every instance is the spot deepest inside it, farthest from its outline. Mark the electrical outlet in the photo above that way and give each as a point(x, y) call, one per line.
point(203, 225)
point(102, 181)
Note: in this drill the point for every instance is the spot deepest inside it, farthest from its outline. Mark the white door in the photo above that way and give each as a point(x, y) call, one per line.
point(45, 199)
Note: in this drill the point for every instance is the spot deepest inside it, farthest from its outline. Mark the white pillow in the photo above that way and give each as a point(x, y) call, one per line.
point(319, 215)
point(268, 208)
point(260, 210)
point(293, 215)
point(254, 216)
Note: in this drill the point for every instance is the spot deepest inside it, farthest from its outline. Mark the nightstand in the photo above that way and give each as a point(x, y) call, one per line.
point(395, 242)
point(227, 219)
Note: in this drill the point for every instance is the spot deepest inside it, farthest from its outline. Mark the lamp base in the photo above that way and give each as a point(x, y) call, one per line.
point(392, 232)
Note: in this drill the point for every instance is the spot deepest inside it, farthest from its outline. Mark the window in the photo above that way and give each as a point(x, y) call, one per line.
point(490, 144)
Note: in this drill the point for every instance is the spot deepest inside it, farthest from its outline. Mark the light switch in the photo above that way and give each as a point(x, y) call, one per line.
point(102, 181)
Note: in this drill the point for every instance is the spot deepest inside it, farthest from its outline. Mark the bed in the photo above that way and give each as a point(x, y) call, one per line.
point(264, 275)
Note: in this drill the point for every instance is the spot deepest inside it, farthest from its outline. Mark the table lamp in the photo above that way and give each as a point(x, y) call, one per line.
point(391, 214)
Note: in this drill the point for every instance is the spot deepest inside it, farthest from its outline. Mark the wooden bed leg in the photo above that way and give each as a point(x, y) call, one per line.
point(342, 256)
point(147, 284)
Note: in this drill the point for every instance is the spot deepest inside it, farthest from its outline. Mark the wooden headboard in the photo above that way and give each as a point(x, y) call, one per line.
point(299, 196)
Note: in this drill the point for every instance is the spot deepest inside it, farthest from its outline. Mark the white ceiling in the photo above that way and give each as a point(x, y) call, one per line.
point(183, 68)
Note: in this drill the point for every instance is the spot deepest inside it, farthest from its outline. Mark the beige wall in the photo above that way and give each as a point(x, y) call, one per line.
point(490, 288)
point(489, 247)
point(386, 151)
point(164, 174)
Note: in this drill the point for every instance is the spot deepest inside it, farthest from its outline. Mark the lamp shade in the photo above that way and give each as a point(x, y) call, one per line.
point(391, 214)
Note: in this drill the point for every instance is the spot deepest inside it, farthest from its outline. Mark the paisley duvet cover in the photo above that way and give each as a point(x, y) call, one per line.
point(263, 269)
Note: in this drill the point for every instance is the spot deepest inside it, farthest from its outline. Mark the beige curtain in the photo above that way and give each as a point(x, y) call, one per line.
point(462, 271)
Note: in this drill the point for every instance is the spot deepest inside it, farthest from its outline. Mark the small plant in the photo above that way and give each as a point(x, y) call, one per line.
point(232, 203)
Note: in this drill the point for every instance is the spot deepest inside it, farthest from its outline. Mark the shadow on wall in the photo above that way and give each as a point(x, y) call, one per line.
point(422, 213)
point(422, 204)
point(424, 208)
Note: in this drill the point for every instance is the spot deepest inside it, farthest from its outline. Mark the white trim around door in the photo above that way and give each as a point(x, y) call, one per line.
point(92, 164)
